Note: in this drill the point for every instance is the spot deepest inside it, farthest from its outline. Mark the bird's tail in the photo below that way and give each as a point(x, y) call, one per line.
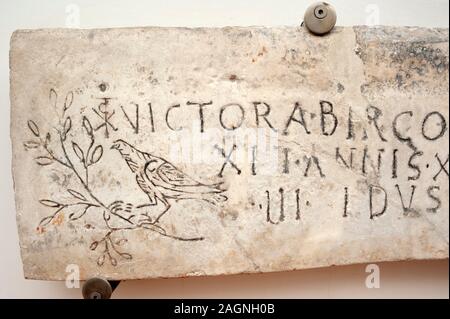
point(214, 198)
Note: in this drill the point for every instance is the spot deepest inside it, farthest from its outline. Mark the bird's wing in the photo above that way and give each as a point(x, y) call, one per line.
point(146, 188)
point(173, 176)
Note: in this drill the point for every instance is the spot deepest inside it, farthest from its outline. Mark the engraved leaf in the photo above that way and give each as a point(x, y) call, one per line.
point(47, 139)
point(101, 260)
point(49, 203)
point(87, 126)
point(113, 261)
point(44, 160)
point(94, 245)
point(46, 220)
point(76, 195)
point(120, 242)
point(78, 151)
point(68, 101)
point(126, 256)
point(53, 97)
point(31, 144)
point(33, 128)
point(97, 154)
point(67, 125)
point(78, 215)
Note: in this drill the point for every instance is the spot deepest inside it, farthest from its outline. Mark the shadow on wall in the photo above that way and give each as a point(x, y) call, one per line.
point(413, 279)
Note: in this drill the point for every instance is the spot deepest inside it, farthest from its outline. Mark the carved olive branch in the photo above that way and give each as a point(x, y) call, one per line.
point(110, 249)
point(88, 157)
point(50, 157)
point(60, 207)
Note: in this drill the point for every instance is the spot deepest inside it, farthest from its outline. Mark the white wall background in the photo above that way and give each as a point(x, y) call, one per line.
point(427, 279)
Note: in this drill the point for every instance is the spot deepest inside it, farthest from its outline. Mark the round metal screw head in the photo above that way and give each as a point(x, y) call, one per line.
point(97, 288)
point(320, 12)
point(95, 295)
point(320, 18)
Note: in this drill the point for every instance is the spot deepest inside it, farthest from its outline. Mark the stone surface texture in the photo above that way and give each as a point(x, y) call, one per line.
point(172, 152)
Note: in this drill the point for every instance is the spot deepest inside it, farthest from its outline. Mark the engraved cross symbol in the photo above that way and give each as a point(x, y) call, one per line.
point(105, 115)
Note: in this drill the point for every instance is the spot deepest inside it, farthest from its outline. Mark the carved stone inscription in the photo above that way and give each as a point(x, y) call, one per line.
point(165, 152)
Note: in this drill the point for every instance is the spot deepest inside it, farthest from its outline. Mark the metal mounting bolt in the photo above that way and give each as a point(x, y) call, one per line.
point(320, 11)
point(320, 18)
point(97, 288)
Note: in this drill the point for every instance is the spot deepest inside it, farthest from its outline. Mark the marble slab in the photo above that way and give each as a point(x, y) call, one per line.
point(171, 152)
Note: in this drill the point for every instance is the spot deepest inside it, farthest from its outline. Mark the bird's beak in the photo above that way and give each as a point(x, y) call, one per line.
point(115, 146)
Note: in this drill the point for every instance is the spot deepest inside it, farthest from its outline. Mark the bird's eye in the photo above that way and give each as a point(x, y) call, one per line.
point(149, 165)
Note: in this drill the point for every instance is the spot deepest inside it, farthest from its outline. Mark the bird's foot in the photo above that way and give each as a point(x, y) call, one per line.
point(119, 206)
point(147, 220)
point(152, 226)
